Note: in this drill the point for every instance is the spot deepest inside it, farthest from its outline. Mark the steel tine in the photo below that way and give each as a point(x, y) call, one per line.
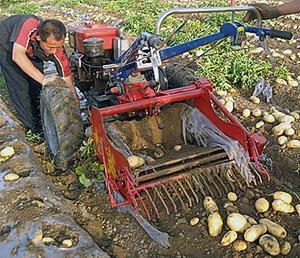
point(213, 182)
point(178, 195)
point(198, 183)
point(207, 186)
point(220, 180)
point(152, 202)
point(143, 205)
point(256, 172)
point(171, 199)
point(192, 190)
point(185, 193)
point(229, 180)
point(232, 172)
point(162, 200)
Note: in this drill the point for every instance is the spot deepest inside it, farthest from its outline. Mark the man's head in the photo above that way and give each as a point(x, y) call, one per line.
point(51, 35)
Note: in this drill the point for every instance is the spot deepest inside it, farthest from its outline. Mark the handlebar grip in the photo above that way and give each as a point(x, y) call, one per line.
point(281, 34)
point(155, 41)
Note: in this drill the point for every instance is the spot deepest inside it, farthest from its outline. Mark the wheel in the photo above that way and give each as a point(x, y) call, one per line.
point(61, 120)
point(176, 76)
point(179, 76)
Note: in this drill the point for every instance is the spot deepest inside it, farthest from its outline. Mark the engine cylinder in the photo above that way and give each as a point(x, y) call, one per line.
point(93, 47)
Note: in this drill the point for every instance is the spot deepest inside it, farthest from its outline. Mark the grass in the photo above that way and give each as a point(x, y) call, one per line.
point(21, 7)
point(88, 169)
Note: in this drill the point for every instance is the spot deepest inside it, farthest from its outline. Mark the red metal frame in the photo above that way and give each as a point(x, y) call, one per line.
point(140, 96)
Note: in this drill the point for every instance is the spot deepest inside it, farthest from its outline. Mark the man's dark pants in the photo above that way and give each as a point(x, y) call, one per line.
point(24, 92)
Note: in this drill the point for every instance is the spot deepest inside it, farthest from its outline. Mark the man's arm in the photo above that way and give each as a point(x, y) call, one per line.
point(20, 58)
point(270, 12)
point(289, 8)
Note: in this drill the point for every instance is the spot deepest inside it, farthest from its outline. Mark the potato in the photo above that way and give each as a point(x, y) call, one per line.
point(287, 52)
point(254, 99)
point(246, 113)
point(298, 208)
point(221, 93)
point(269, 118)
point(285, 248)
point(229, 238)
point(256, 50)
point(269, 244)
point(209, 205)
point(239, 245)
point(254, 232)
point(194, 221)
point(293, 83)
point(177, 148)
point(215, 224)
point(229, 98)
point(283, 196)
point(281, 81)
point(222, 101)
point(282, 140)
point(237, 222)
point(294, 144)
point(256, 112)
point(232, 196)
point(279, 129)
point(7, 152)
point(279, 205)
point(277, 114)
point(259, 124)
point(229, 106)
point(250, 220)
point(135, 162)
point(295, 115)
point(11, 177)
point(273, 228)
point(262, 205)
point(286, 118)
point(289, 132)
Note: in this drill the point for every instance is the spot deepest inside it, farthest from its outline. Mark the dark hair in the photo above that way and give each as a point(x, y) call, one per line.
point(52, 27)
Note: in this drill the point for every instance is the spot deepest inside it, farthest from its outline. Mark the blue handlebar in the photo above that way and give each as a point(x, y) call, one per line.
point(234, 30)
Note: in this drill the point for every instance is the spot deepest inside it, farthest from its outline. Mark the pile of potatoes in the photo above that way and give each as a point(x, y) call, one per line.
point(243, 229)
point(283, 124)
point(225, 100)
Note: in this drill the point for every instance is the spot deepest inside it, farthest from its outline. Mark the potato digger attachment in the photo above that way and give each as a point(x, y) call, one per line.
point(165, 141)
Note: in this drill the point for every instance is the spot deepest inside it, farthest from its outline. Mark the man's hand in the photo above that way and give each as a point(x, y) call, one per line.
point(266, 11)
point(49, 79)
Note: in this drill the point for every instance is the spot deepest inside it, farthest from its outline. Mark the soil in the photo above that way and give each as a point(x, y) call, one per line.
point(40, 205)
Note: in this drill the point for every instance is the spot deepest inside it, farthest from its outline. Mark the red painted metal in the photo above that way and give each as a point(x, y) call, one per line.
point(101, 31)
point(140, 97)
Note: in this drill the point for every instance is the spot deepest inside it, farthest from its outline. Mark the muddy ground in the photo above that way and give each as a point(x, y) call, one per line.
point(36, 205)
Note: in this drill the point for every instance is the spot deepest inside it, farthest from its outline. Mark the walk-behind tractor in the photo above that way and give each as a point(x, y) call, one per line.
point(164, 138)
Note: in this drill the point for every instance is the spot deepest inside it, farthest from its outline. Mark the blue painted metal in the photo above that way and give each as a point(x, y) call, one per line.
point(127, 61)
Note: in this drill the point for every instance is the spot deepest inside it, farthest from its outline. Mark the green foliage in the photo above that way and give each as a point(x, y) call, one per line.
point(65, 3)
point(2, 83)
point(24, 7)
point(298, 169)
point(80, 172)
point(237, 68)
point(32, 137)
point(88, 168)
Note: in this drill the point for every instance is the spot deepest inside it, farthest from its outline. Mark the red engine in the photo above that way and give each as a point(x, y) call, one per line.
point(94, 45)
point(100, 31)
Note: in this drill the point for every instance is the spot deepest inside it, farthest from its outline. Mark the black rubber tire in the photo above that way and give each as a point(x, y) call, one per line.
point(62, 124)
point(179, 76)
